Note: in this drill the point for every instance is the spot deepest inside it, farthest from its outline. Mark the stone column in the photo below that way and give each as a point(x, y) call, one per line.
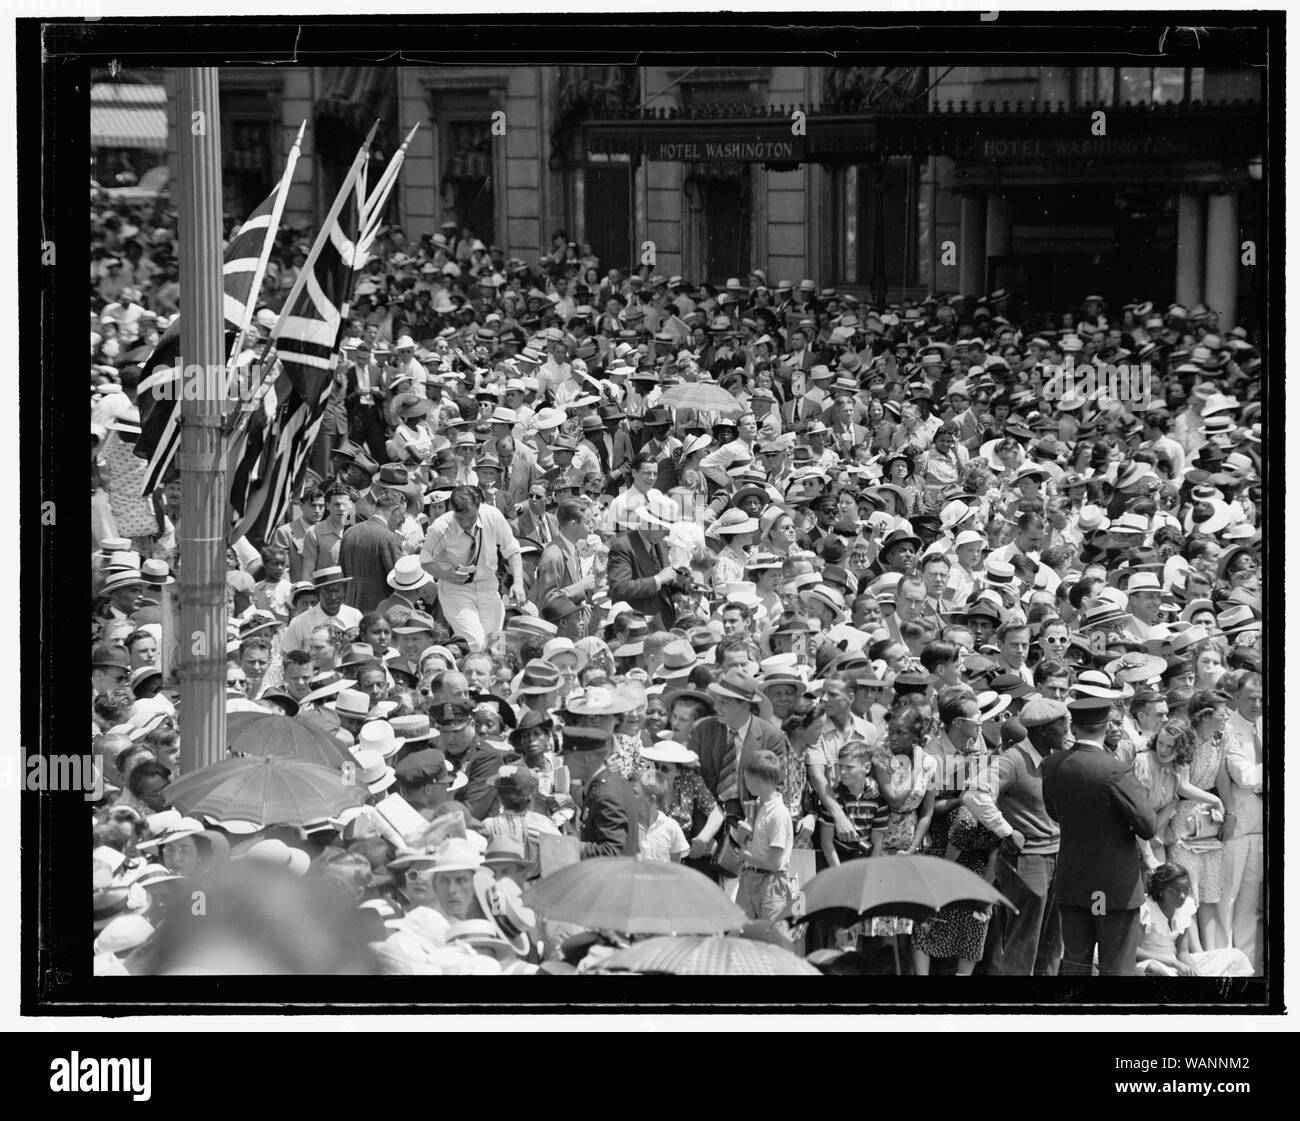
point(971, 250)
point(1188, 286)
point(1222, 257)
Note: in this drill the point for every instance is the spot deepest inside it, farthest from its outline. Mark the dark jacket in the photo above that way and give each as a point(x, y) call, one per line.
point(609, 821)
point(1102, 810)
point(479, 764)
point(633, 564)
point(709, 741)
point(367, 553)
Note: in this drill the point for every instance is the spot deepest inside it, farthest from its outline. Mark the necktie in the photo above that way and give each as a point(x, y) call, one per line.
point(727, 786)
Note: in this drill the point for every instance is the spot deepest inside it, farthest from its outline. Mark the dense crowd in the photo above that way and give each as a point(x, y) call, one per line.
point(760, 578)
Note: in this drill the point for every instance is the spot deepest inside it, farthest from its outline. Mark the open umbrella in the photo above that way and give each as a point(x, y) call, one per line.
point(270, 733)
point(696, 956)
point(702, 396)
point(268, 790)
point(912, 887)
point(629, 896)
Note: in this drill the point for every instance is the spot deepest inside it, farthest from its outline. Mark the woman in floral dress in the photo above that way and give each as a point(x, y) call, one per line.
point(956, 931)
point(906, 774)
point(1192, 838)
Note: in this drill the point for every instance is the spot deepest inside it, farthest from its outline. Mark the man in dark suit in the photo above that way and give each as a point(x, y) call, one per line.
point(369, 550)
point(533, 521)
point(616, 444)
point(638, 567)
point(725, 743)
point(559, 571)
point(608, 809)
point(469, 755)
point(367, 390)
point(1102, 810)
point(653, 437)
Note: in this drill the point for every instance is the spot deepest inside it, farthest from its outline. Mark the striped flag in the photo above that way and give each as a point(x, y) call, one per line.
point(159, 392)
point(271, 453)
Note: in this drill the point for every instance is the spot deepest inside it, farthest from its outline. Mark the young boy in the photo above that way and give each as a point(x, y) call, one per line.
point(860, 799)
point(272, 593)
point(662, 838)
point(764, 890)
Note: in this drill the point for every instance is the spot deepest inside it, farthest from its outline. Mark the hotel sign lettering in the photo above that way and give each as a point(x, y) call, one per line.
point(718, 150)
point(1076, 147)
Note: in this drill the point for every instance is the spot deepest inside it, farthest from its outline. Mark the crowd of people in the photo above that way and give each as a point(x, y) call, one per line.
point(761, 578)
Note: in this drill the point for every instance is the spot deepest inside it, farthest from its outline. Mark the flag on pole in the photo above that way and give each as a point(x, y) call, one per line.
point(283, 427)
point(160, 389)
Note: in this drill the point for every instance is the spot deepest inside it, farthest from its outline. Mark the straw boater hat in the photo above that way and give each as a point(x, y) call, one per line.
point(332, 574)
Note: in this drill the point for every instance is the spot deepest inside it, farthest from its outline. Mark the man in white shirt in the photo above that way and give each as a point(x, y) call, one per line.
point(1030, 531)
point(556, 371)
point(645, 472)
point(463, 551)
point(1244, 824)
point(714, 465)
point(331, 611)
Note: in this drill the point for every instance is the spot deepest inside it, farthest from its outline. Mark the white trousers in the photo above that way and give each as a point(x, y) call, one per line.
point(1243, 877)
point(474, 611)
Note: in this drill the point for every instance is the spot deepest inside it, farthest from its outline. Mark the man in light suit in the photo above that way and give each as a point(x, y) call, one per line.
point(1102, 810)
point(724, 744)
point(559, 571)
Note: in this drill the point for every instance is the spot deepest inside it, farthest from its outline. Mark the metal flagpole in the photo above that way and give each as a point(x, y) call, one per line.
point(201, 647)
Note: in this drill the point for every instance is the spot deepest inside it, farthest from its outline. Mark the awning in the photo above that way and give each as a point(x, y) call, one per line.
point(1039, 134)
point(125, 115)
point(114, 126)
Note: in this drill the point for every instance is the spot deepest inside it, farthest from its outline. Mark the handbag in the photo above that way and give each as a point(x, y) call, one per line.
point(728, 857)
point(1205, 828)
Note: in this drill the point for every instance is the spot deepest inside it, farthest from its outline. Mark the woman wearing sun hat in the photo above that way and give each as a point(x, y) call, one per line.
point(688, 800)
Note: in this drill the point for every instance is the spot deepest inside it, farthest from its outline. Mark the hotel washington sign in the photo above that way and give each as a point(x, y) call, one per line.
point(1046, 137)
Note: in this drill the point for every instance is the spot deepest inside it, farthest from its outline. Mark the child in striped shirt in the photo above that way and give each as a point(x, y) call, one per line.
point(859, 797)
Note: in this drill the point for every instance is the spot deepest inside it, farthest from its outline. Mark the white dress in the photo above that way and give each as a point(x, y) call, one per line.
point(1160, 936)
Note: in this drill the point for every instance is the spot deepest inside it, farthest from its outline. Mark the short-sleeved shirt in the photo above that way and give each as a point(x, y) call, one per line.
point(866, 811)
point(663, 839)
point(773, 827)
point(446, 543)
point(826, 751)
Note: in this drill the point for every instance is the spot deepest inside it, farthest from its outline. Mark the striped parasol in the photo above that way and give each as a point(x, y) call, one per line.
point(695, 956)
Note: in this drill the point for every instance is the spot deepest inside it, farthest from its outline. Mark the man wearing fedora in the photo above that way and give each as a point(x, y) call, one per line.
point(330, 611)
point(366, 392)
point(724, 743)
point(407, 580)
point(370, 549)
